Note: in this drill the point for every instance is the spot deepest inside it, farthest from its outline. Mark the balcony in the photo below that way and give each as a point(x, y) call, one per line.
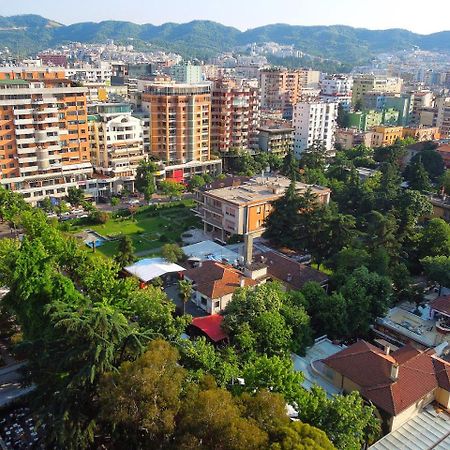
point(39, 120)
point(19, 112)
point(25, 140)
point(24, 131)
point(23, 121)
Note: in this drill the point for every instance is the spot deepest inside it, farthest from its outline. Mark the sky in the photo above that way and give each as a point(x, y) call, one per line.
point(243, 14)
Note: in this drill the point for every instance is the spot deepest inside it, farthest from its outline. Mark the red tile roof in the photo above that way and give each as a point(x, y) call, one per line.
point(211, 326)
point(419, 374)
point(441, 304)
point(291, 272)
point(214, 279)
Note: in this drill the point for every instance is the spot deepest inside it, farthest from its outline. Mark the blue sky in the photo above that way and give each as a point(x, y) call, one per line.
point(243, 14)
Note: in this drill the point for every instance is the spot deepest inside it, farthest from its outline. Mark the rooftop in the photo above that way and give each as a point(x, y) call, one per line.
point(370, 368)
point(150, 268)
point(215, 280)
point(209, 250)
point(211, 326)
point(260, 189)
point(441, 304)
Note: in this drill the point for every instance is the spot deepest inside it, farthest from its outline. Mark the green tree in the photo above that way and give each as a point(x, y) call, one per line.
point(125, 255)
point(343, 120)
point(186, 290)
point(145, 178)
point(142, 399)
point(75, 196)
point(300, 436)
point(99, 217)
point(437, 268)
point(196, 182)
point(172, 253)
point(434, 240)
point(418, 177)
point(115, 201)
point(446, 181)
point(314, 157)
point(432, 162)
point(171, 188)
point(47, 205)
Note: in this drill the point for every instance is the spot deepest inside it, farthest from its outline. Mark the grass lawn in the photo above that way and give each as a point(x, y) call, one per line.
point(148, 232)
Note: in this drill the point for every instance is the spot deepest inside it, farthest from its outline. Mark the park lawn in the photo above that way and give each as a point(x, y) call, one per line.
point(148, 233)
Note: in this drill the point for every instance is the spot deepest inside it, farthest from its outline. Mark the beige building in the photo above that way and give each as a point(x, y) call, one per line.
point(234, 115)
point(351, 137)
point(363, 84)
point(180, 121)
point(242, 207)
point(384, 136)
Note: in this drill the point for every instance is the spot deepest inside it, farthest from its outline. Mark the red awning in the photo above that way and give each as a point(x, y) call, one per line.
point(211, 326)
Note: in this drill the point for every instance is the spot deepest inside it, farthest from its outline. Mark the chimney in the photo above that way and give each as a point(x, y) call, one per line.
point(394, 372)
point(200, 264)
point(289, 278)
point(242, 282)
point(387, 349)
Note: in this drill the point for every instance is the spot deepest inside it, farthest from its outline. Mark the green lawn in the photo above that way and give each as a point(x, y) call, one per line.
point(147, 232)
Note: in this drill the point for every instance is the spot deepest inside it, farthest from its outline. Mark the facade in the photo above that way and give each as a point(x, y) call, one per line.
point(282, 88)
point(276, 140)
point(234, 115)
point(399, 383)
point(242, 207)
point(314, 121)
point(214, 284)
point(421, 134)
point(116, 141)
point(44, 144)
point(365, 83)
point(362, 121)
point(384, 136)
point(186, 73)
point(180, 119)
point(443, 116)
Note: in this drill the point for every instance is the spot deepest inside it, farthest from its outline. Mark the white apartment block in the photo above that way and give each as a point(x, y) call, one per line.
point(337, 88)
point(100, 73)
point(314, 121)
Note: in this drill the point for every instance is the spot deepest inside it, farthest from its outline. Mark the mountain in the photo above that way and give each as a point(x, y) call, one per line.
point(28, 34)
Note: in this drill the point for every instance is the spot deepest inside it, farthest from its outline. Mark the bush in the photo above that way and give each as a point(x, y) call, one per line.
point(164, 238)
point(99, 217)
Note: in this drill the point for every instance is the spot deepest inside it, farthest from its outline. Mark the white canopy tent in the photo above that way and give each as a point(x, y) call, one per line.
point(150, 268)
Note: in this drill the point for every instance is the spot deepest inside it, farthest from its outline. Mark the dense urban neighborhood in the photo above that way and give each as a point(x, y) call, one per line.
point(230, 247)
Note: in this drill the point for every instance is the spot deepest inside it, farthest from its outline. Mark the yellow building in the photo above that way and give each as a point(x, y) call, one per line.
point(384, 136)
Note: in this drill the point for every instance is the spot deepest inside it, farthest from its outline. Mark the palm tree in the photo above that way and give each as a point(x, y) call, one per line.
point(186, 290)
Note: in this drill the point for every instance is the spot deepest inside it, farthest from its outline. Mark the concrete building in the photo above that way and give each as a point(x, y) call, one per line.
point(276, 140)
point(422, 134)
point(314, 121)
point(421, 100)
point(116, 141)
point(365, 83)
point(241, 208)
point(234, 115)
point(383, 136)
point(363, 121)
point(180, 120)
point(282, 88)
point(351, 137)
point(443, 116)
point(186, 73)
point(44, 146)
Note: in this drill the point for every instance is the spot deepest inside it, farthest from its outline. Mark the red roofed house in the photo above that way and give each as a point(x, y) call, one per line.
point(440, 310)
point(400, 383)
point(214, 284)
point(210, 327)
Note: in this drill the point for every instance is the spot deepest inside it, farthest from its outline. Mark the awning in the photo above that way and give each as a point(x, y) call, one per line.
point(211, 326)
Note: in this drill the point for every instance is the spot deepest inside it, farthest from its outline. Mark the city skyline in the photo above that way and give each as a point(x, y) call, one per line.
point(251, 14)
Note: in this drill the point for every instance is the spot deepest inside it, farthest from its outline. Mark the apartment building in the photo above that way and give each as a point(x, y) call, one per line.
point(240, 208)
point(383, 136)
point(337, 88)
point(314, 121)
point(365, 83)
point(116, 142)
point(421, 100)
point(44, 146)
point(180, 120)
point(351, 137)
point(234, 115)
point(186, 73)
point(282, 88)
point(276, 140)
point(443, 116)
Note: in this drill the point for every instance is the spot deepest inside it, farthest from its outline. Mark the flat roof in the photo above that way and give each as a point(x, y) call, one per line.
point(322, 348)
point(429, 429)
point(150, 268)
point(209, 250)
point(261, 189)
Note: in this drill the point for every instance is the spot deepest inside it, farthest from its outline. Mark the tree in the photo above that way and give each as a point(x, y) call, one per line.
point(196, 182)
point(446, 181)
point(99, 217)
point(145, 178)
point(47, 205)
point(142, 399)
point(432, 162)
point(434, 240)
point(346, 420)
point(290, 166)
point(300, 436)
point(342, 117)
point(314, 157)
point(115, 201)
point(75, 196)
point(437, 268)
point(171, 188)
point(125, 255)
point(172, 253)
point(186, 290)
point(418, 177)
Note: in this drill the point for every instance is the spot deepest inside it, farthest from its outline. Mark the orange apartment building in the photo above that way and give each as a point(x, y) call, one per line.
point(234, 115)
point(180, 119)
point(44, 146)
point(242, 208)
point(282, 88)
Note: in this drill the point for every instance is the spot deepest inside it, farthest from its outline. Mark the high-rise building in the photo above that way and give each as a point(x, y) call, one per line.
point(314, 121)
point(337, 88)
point(234, 115)
point(180, 119)
point(369, 82)
point(44, 146)
point(116, 141)
point(282, 88)
point(186, 73)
